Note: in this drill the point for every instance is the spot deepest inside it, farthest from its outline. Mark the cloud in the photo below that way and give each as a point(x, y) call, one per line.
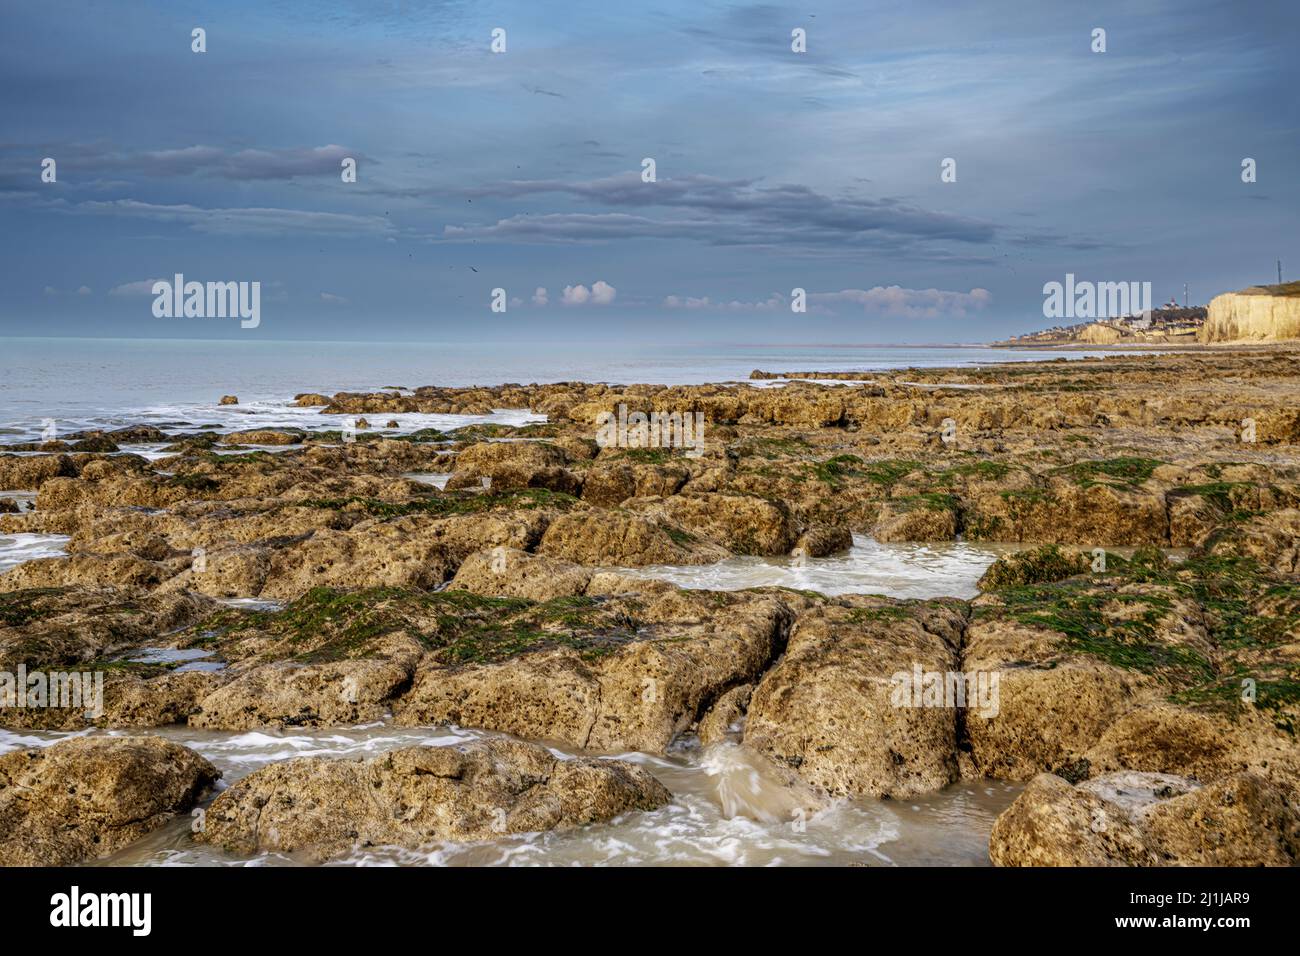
point(721, 212)
point(143, 287)
point(333, 299)
point(882, 300)
point(600, 293)
point(82, 291)
point(256, 221)
point(239, 165)
point(773, 303)
point(908, 303)
point(248, 163)
point(540, 297)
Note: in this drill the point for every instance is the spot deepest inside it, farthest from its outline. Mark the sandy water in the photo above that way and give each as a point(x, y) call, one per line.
point(899, 570)
point(728, 809)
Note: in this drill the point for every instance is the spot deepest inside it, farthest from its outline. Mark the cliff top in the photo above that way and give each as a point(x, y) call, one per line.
point(1286, 288)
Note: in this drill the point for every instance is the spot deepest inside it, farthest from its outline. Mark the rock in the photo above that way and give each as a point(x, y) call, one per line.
point(1054, 824)
point(97, 442)
point(1102, 333)
point(722, 720)
point(917, 518)
point(89, 570)
point(624, 539)
point(160, 701)
point(1054, 705)
point(1163, 737)
point(832, 708)
point(609, 484)
point(60, 628)
point(1147, 819)
point(228, 400)
point(262, 436)
point(417, 796)
point(743, 524)
point(1239, 821)
point(29, 472)
point(88, 797)
point(1271, 539)
point(1192, 519)
point(9, 506)
point(513, 465)
point(392, 423)
point(822, 541)
point(310, 400)
point(509, 572)
point(138, 434)
point(1074, 508)
point(225, 573)
point(635, 676)
point(408, 551)
point(1036, 566)
point(289, 694)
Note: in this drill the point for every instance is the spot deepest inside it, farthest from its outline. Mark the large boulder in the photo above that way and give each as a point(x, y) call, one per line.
point(1148, 819)
point(837, 708)
point(744, 524)
point(88, 797)
point(331, 693)
point(421, 795)
point(512, 465)
point(510, 572)
point(616, 537)
point(917, 518)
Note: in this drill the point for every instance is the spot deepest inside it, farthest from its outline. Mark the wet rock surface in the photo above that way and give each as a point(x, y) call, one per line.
point(1148, 819)
point(418, 795)
point(87, 797)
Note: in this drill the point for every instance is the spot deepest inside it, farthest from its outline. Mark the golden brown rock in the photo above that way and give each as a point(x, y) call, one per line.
point(421, 795)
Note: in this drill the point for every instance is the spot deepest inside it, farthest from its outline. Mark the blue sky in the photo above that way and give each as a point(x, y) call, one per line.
point(522, 170)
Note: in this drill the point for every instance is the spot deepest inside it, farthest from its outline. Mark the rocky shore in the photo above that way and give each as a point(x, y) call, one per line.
point(1143, 645)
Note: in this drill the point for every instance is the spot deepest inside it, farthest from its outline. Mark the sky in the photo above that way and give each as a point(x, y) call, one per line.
point(524, 170)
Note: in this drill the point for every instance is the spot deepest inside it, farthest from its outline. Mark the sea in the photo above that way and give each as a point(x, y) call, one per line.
point(85, 383)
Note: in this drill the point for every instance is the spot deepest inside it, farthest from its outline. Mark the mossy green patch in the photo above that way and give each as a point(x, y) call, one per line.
point(448, 504)
point(192, 482)
point(833, 471)
point(1117, 472)
point(925, 501)
point(1116, 627)
point(19, 607)
point(459, 627)
point(887, 471)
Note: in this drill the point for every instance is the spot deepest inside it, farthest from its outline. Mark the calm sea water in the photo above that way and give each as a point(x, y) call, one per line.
point(109, 382)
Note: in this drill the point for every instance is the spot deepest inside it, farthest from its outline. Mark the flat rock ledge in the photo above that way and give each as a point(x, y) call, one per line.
point(323, 807)
point(88, 797)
